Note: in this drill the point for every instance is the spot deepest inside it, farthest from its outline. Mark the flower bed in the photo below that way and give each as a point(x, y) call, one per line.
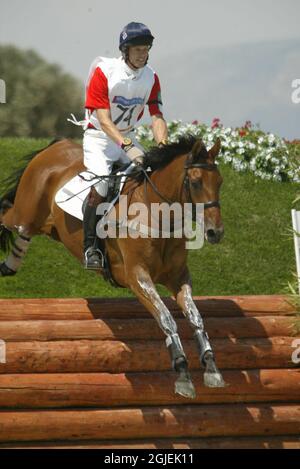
point(245, 148)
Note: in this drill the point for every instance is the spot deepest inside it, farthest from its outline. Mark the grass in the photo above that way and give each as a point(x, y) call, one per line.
point(255, 257)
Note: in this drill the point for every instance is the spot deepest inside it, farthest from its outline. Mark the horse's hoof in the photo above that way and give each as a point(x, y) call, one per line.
point(6, 271)
point(185, 388)
point(214, 380)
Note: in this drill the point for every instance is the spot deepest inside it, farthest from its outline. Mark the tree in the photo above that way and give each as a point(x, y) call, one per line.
point(39, 96)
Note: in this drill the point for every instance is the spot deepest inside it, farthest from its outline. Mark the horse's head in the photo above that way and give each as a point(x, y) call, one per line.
point(204, 181)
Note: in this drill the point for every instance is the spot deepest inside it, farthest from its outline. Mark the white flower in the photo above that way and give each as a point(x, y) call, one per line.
point(228, 159)
point(271, 138)
point(270, 153)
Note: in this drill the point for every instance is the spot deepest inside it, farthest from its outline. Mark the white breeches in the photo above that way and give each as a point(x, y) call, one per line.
point(100, 153)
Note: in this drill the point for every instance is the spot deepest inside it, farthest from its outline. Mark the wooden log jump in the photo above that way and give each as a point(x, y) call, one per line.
point(113, 356)
point(67, 390)
point(80, 373)
point(152, 422)
point(129, 308)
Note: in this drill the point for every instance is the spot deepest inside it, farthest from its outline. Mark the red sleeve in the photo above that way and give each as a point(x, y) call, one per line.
point(154, 101)
point(97, 91)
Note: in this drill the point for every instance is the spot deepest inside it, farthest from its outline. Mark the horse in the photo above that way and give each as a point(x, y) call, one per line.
point(184, 171)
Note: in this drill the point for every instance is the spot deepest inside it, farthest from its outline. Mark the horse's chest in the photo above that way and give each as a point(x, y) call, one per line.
point(170, 256)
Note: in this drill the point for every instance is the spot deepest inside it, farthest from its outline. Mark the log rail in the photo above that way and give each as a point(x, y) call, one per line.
point(95, 373)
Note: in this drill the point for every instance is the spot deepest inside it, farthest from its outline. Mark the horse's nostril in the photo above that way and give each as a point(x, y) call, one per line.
point(211, 233)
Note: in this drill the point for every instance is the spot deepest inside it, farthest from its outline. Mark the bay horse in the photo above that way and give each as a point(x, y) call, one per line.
point(180, 172)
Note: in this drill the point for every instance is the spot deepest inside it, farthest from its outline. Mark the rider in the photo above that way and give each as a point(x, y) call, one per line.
point(116, 93)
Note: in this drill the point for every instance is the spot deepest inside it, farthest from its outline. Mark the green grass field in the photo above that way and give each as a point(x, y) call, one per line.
point(256, 255)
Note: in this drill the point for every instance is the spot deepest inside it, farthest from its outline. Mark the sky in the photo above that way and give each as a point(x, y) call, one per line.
point(231, 59)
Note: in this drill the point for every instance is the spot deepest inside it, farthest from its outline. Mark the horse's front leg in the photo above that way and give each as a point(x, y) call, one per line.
point(142, 285)
point(182, 290)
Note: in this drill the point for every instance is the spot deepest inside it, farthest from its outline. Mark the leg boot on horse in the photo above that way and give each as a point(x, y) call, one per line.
point(142, 285)
point(182, 290)
point(183, 384)
point(93, 256)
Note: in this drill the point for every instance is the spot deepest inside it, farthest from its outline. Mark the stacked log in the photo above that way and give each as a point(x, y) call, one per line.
point(95, 373)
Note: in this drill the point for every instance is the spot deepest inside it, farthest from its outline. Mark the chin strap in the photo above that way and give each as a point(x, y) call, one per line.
point(131, 64)
point(126, 59)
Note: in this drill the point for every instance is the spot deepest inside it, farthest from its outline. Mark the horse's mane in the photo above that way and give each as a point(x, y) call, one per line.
point(159, 157)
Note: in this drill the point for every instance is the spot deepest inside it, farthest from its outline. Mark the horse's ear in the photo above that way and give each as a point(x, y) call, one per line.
point(198, 150)
point(197, 147)
point(214, 151)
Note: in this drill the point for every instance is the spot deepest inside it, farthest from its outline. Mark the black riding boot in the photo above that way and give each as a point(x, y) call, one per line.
point(93, 257)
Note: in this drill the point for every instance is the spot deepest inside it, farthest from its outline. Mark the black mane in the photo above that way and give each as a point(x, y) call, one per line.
point(159, 157)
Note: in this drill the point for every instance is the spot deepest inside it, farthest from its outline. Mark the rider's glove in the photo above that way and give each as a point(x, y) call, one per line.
point(139, 160)
point(134, 153)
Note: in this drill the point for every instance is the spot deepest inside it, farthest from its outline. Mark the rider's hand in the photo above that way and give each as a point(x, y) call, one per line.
point(139, 160)
point(134, 153)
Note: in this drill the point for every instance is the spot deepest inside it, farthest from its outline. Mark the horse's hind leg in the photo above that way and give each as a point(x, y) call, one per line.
point(183, 293)
point(141, 284)
point(20, 244)
point(28, 214)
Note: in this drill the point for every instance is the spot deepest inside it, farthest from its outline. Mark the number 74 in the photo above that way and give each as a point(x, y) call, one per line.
point(124, 110)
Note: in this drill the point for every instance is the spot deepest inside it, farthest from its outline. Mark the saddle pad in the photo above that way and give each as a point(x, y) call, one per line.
point(71, 196)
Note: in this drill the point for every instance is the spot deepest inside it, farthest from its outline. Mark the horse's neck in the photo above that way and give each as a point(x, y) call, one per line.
point(169, 180)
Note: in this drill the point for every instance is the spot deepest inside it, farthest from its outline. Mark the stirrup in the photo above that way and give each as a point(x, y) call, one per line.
point(92, 252)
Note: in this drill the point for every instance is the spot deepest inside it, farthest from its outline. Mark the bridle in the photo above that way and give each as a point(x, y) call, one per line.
point(186, 185)
point(186, 182)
